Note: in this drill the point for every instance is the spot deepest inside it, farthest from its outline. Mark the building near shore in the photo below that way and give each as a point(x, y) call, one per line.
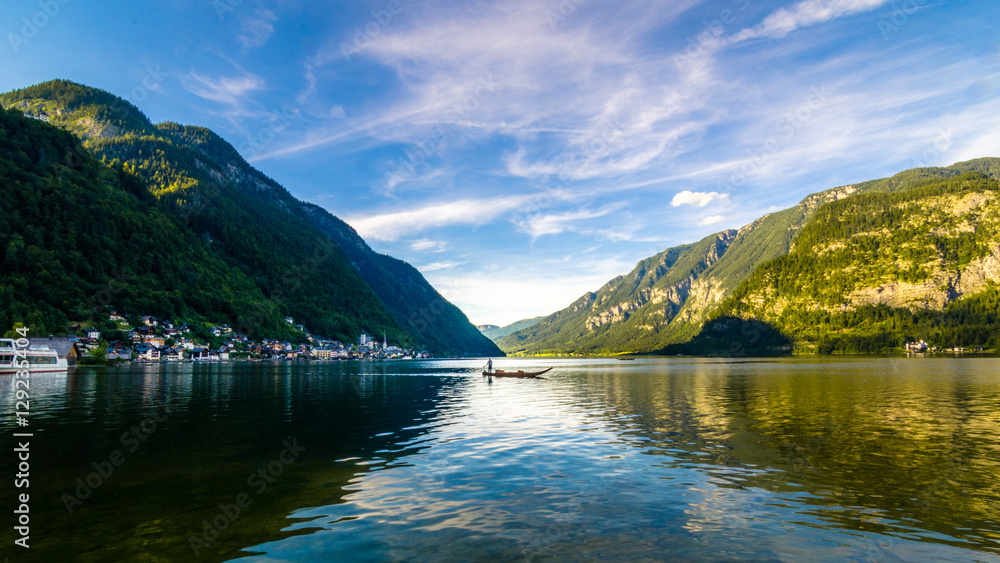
point(64, 347)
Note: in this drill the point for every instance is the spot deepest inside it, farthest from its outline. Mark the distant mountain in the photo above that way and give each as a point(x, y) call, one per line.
point(668, 298)
point(628, 309)
point(248, 222)
point(495, 333)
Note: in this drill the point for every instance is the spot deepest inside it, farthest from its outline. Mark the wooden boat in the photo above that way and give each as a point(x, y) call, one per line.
point(626, 359)
point(521, 374)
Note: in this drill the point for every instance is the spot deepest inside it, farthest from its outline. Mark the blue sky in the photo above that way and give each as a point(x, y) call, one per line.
point(523, 152)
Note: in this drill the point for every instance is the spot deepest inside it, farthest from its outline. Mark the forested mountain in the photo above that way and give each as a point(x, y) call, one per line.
point(875, 270)
point(76, 236)
point(239, 216)
point(625, 317)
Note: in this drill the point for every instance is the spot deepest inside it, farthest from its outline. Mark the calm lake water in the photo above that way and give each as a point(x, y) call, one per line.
point(653, 459)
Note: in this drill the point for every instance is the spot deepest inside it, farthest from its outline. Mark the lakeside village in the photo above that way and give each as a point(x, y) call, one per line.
point(153, 340)
point(922, 347)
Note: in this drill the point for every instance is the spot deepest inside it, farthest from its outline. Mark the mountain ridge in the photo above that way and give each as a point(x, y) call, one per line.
point(246, 218)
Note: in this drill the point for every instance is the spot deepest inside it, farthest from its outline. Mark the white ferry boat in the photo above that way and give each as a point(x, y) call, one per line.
point(40, 358)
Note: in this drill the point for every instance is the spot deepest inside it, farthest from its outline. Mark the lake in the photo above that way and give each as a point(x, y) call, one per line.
point(858, 459)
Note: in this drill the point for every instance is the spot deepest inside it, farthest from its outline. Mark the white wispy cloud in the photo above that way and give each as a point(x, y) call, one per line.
point(711, 220)
point(392, 226)
point(229, 90)
point(257, 29)
point(698, 199)
point(443, 265)
point(407, 172)
point(554, 223)
point(631, 110)
point(803, 14)
point(428, 245)
point(622, 119)
point(621, 233)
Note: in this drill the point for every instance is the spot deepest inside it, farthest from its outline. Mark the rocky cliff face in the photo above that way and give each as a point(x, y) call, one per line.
point(975, 214)
point(939, 218)
point(664, 300)
point(872, 270)
point(629, 311)
point(941, 288)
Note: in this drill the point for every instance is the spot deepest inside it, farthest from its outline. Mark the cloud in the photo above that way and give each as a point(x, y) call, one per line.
point(626, 113)
point(231, 91)
point(392, 226)
point(257, 29)
point(412, 172)
point(554, 223)
point(620, 233)
point(435, 266)
point(698, 199)
point(803, 14)
point(711, 220)
point(630, 110)
point(428, 245)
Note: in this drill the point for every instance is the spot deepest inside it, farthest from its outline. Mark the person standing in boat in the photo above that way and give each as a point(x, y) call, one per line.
point(489, 365)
